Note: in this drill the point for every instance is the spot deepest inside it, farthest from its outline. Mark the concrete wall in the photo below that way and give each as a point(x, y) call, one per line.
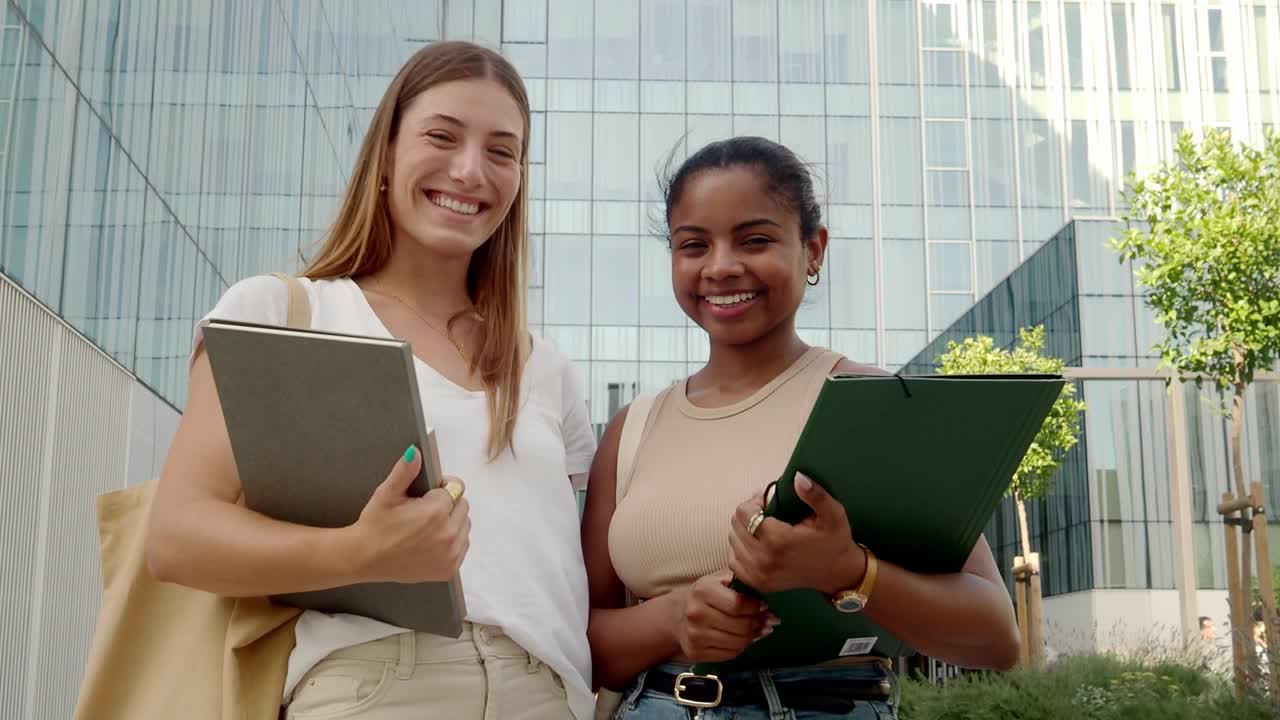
point(1124, 621)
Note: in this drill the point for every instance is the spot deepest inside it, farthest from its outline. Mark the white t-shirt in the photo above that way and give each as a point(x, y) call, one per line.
point(524, 571)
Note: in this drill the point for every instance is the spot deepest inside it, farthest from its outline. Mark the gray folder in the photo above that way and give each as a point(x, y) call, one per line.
point(316, 421)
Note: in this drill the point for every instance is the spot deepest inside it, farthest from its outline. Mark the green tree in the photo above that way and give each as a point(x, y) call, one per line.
point(1204, 234)
point(1060, 431)
point(1256, 600)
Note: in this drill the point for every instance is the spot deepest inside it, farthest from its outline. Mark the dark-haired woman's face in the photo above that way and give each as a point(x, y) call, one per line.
point(738, 262)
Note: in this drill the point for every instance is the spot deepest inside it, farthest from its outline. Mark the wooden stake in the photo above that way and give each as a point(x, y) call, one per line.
point(1036, 626)
point(1265, 587)
point(1020, 592)
point(1239, 624)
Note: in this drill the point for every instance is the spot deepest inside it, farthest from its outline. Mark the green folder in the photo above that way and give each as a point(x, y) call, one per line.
point(919, 464)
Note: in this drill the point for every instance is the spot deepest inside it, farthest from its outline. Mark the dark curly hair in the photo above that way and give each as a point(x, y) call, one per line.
point(787, 177)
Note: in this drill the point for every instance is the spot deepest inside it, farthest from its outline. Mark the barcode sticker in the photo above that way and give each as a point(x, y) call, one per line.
point(857, 646)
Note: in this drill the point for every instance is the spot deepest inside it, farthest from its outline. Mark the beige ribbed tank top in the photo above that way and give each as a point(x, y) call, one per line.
point(695, 466)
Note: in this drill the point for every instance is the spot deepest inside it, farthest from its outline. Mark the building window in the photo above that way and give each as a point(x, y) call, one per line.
point(1041, 184)
point(941, 25)
point(1120, 43)
point(900, 180)
point(985, 62)
point(950, 271)
point(524, 21)
point(1086, 184)
point(1035, 44)
point(1128, 160)
point(949, 188)
point(617, 42)
point(1172, 67)
point(570, 30)
point(1262, 33)
point(992, 163)
point(615, 398)
point(944, 83)
point(1128, 149)
point(897, 43)
point(710, 48)
point(755, 41)
point(1217, 50)
point(800, 57)
point(1075, 41)
point(1175, 132)
point(847, 50)
point(662, 29)
point(945, 144)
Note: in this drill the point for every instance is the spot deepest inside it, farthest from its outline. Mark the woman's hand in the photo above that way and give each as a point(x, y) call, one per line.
point(817, 553)
point(411, 539)
point(717, 623)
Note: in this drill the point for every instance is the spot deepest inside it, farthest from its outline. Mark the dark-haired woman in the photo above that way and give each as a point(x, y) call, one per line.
point(746, 236)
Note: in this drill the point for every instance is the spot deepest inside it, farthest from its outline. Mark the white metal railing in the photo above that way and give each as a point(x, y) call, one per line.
point(64, 439)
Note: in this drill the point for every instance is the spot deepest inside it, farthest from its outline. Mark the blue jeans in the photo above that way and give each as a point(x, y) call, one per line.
point(641, 704)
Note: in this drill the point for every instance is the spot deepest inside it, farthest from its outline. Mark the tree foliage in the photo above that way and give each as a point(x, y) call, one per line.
point(1255, 599)
point(1060, 431)
point(1204, 233)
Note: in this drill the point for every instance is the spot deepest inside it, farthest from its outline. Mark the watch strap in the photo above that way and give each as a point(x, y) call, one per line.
point(868, 583)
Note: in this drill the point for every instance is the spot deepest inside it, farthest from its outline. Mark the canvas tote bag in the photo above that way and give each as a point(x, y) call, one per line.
point(162, 650)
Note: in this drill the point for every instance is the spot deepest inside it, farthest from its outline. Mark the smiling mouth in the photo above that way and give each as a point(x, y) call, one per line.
point(439, 199)
point(728, 301)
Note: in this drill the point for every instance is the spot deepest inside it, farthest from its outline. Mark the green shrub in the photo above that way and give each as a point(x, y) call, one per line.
point(1093, 687)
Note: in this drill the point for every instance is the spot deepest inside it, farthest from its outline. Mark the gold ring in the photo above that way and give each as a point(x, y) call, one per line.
point(455, 490)
point(754, 523)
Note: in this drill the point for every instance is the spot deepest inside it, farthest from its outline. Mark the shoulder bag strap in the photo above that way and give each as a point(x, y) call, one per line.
point(299, 312)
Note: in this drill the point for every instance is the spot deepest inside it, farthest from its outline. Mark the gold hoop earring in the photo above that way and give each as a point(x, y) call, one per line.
point(817, 277)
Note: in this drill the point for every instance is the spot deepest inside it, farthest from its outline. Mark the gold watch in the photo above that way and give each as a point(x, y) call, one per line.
point(854, 600)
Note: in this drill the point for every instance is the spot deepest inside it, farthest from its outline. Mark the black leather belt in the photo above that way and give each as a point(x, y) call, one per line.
point(813, 695)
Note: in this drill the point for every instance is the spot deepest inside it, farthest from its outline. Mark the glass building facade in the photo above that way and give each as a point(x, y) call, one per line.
point(152, 153)
point(1108, 523)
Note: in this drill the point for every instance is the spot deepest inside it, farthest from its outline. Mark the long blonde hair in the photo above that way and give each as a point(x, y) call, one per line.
point(360, 240)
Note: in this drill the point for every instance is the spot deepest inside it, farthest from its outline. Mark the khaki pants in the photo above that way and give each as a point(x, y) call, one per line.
point(483, 675)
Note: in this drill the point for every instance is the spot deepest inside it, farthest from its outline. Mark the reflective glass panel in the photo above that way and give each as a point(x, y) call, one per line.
point(709, 44)
point(662, 43)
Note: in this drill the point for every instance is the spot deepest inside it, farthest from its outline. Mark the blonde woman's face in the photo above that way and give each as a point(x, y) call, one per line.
point(455, 165)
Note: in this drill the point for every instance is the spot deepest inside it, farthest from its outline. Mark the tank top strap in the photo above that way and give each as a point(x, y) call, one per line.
point(817, 373)
point(656, 408)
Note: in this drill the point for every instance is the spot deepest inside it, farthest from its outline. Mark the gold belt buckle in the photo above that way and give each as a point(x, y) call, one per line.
point(681, 688)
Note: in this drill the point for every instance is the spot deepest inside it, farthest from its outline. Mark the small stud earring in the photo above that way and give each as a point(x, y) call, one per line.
point(383, 188)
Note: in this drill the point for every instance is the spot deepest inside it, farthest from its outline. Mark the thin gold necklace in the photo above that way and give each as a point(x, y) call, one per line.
point(442, 333)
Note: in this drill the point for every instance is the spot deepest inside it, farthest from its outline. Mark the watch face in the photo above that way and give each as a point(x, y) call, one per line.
point(850, 603)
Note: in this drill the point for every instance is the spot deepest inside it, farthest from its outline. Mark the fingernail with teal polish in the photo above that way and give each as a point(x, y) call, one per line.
point(410, 454)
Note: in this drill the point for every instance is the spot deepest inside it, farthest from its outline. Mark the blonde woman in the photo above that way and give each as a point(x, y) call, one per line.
point(430, 246)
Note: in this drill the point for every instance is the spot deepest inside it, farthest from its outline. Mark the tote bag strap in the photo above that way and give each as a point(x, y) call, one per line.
point(299, 311)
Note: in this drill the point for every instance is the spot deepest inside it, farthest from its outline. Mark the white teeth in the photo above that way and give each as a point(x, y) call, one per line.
point(457, 206)
point(723, 300)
